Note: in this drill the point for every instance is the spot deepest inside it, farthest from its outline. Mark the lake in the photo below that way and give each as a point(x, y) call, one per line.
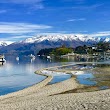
point(17, 75)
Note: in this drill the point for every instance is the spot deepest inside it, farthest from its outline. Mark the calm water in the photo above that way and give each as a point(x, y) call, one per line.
point(92, 73)
point(84, 79)
point(99, 79)
point(60, 78)
point(17, 75)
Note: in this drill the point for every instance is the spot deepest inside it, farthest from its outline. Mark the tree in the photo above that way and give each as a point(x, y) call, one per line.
point(62, 51)
point(81, 50)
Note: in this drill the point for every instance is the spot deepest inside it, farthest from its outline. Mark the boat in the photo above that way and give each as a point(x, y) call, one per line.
point(48, 57)
point(2, 58)
point(32, 56)
point(17, 58)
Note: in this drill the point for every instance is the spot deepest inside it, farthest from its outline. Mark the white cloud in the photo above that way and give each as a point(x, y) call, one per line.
point(21, 36)
point(3, 11)
point(97, 34)
point(101, 34)
point(36, 4)
point(91, 7)
point(80, 1)
point(19, 28)
point(73, 0)
point(80, 19)
point(21, 1)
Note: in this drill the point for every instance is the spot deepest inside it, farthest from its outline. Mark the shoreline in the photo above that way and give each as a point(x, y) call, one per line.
point(28, 90)
point(42, 96)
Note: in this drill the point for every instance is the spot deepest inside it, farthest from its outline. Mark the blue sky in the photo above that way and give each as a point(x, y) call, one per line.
point(20, 19)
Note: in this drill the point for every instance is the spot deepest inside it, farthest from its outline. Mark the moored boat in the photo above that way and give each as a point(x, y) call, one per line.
point(17, 58)
point(2, 58)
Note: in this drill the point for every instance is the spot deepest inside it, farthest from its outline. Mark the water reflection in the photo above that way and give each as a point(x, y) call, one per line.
point(18, 74)
point(85, 79)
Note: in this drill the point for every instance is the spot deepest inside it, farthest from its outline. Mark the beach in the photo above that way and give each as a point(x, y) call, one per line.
point(42, 96)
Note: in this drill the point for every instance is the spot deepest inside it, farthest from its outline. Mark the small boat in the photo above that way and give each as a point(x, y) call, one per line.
point(32, 56)
point(2, 58)
point(48, 57)
point(17, 58)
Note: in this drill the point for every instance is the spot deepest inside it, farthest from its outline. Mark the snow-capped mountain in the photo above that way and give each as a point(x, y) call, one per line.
point(3, 43)
point(34, 44)
point(56, 38)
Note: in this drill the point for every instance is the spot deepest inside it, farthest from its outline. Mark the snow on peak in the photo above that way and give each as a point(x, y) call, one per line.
point(107, 40)
point(3, 43)
point(63, 37)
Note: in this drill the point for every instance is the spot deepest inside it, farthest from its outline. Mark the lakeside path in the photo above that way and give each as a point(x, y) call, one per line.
point(46, 97)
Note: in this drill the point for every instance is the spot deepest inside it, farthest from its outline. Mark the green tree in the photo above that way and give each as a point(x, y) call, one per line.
point(62, 51)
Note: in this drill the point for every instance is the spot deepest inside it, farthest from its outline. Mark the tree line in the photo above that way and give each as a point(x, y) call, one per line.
point(95, 48)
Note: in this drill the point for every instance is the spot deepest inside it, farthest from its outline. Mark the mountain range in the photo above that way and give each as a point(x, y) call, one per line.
point(34, 44)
